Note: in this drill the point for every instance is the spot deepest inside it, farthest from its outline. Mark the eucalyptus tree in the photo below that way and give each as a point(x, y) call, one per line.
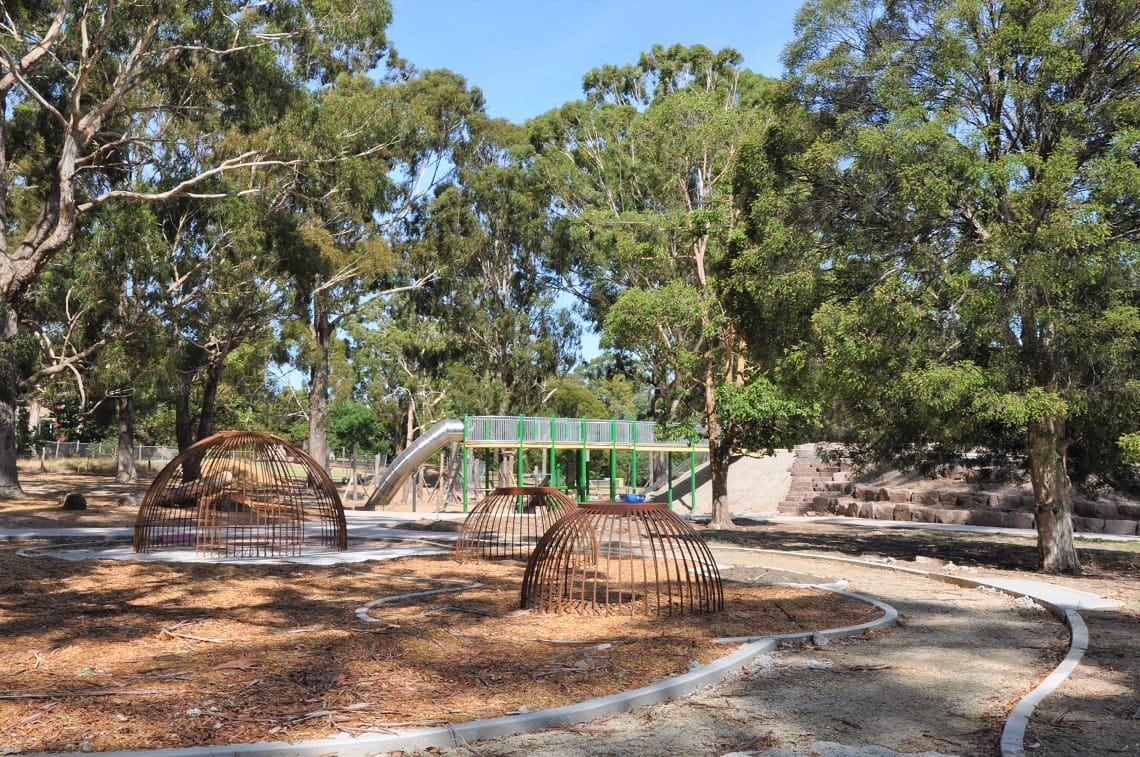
point(644, 208)
point(93, 93)
point(350, 217)
point(974, 189)
point(494, 302)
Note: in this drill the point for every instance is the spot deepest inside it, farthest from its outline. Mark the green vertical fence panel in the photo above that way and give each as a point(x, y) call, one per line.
point(613, 459)
point(466, 463)
point(519, 464)
point(633, 462)
point(584, 466)
point(692, 475)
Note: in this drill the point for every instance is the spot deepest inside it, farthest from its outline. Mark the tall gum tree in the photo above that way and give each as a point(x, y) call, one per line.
point(644, 213)
point(352, 217)
point(87, 88)
point(974, 186)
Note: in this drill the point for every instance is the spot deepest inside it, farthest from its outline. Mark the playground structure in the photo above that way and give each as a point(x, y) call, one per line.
point(239, 493)
point(475, 436)
point(609, 558)
point(509, 521)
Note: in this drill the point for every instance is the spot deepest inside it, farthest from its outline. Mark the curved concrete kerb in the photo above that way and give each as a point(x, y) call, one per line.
point(1059, 600)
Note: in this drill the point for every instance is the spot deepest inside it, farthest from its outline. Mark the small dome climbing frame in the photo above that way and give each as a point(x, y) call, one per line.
point(243, 494)
point(610, 558)
point(509, 521)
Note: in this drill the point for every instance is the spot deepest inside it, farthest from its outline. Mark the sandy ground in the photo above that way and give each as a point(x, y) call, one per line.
point(941, 683)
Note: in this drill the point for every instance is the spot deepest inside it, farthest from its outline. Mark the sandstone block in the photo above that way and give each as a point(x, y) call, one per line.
point(883, 510)
point(866, 510)
point(992, 518)
point(1088, 525)
point(951, 516)
point(1084, 509)
point(923, 514)
point(948, 499)
point(1120, 527)
point(972, 500)
point(825, 504)
point(926, 497)
point(1128, 510)
point(1019, 519)
point(897, 495)
point(1106, 510)
point(901, 511)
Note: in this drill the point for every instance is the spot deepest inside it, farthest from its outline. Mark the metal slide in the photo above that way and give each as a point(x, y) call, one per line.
point(433, 440)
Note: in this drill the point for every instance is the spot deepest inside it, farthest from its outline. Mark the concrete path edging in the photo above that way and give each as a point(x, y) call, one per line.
point(443, 737)
point(1061, 602)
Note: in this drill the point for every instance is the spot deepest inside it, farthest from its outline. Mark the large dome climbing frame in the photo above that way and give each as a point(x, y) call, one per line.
point(241, 494)
point(509, 521)
point(610, 558)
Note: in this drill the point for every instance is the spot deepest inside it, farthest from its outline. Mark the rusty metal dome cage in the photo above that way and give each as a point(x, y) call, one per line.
point(610, 558)
point(509, 521)
point(241, 494)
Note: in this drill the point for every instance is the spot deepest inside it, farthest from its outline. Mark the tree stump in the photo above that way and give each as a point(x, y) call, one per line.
point(74, 501)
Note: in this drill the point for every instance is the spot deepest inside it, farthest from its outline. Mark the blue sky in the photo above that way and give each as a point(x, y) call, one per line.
point(528, 56)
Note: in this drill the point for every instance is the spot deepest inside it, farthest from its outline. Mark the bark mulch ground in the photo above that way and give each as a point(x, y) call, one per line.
point(101, 655)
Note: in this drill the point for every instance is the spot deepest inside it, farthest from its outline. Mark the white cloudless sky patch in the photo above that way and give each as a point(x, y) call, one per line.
point(528, 56)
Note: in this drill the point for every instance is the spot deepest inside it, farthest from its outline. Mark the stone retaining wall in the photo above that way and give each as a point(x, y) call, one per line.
point(824, 488)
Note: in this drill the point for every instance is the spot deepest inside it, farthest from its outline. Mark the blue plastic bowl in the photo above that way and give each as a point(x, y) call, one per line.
point(632, 497)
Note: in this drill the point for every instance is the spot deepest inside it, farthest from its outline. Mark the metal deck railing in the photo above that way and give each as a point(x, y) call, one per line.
point(531, 431)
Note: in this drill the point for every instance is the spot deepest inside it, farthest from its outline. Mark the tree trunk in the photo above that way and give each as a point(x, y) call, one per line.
point(507, 461)
point(208, 412)
point(1052, 490)
point(9, 475)
point(183, 420)
point(719, 450)
point(319, 388)
point(125, 454)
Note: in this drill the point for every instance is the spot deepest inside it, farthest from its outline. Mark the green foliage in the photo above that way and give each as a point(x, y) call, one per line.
point(353, 425)
point(954, 202)
point(571, 398)
point(1130, 448)
point(760, 417)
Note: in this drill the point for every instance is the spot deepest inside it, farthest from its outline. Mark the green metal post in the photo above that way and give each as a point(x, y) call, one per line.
point(519, 464)
point(669, 474)
point(553, 453)
point(692, 475)
point(584, 467)
point(613, 459)
point(633, 471)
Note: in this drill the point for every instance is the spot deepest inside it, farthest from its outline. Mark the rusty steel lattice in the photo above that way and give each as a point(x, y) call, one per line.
point(239, 493)
point(610, 558)
point(509, 521)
